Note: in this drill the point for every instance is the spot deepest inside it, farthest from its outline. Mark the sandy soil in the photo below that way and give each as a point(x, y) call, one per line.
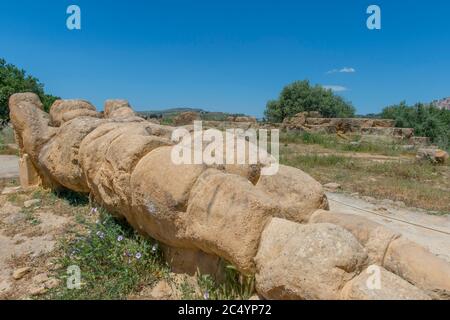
point(24, 244)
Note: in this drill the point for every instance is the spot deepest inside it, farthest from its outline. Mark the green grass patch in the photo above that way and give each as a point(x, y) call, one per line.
point(333, 142)
point(114, 261)
point(314, 160)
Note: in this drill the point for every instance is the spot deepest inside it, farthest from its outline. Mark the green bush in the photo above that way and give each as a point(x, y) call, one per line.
point(427, 121)
point(14, 80)
point(300, 96)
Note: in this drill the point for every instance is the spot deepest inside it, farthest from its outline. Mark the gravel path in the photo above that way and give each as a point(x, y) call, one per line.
point(9, 167)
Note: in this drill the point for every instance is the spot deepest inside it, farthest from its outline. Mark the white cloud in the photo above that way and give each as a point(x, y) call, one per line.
point(335, 88)
point(343, 70)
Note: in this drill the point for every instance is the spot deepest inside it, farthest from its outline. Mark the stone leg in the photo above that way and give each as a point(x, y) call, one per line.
point(27, 172)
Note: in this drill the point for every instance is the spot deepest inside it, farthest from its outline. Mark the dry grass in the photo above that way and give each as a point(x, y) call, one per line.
point(7, 139)
point(419, 185)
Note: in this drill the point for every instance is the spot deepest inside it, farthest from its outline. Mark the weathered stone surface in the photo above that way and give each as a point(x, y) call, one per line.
point(95, 145)
point(114, 174)
point(210, 213)
point(390, 287)
point(311, 262)
point(118, 108)
point(10, 190)
point(20, 273)
point(373, 236)
point(332, 186)
point(31, 203)
point(69, 115)
point(244, 157)
point(160, 191)
point(244, 119)
point(61, 156)
point(28, 175)
point(186, 118)
point(60, 107)
point(297, 195)
point(226, 215)
point(420, 267)
point(432, 155)
point(164, 291)
point(296, 122)
point(31, 124)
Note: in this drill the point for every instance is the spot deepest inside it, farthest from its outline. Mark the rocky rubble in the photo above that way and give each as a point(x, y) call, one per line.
point(277, 228)
point(315, 123)
point(433, 155)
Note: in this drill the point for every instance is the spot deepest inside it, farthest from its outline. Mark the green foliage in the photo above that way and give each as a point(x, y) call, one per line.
point(14, 80)
point(427, 121)
point(234, 286)
point(300, 96)
point(114, 261)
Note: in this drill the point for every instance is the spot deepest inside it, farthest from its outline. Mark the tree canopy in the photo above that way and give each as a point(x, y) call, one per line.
point(14, 80)
point(426, 119)
point(300, 96)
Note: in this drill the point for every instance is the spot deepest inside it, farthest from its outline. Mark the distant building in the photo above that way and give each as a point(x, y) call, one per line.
point(443, 103)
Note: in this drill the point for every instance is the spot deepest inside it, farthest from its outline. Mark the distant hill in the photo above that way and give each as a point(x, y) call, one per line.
point(172, 112)
point(443, 103)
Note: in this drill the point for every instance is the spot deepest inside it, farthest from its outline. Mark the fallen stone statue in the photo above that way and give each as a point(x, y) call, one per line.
point(277, 227)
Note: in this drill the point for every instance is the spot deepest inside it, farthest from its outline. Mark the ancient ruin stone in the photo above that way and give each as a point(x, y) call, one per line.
point(113, 178)
point(186, 118)
point(160, 192)
point(60, 107)
point(244, 119)
point(310, 262)
point(60, 157)
point(390, 287)
point(296, 193)
point(373, 236)
point(420, 267)
point(213, 213)
point(226, 215)
point(31, 123)
point(432, 155)
point(69, 115)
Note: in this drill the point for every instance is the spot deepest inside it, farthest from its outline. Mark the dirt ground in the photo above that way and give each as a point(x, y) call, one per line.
point(29, 234)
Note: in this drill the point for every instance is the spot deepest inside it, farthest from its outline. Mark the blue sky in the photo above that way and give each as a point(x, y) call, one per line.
point(230, 55)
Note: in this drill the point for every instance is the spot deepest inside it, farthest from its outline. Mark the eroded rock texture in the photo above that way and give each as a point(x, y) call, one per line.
point(277, 228)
